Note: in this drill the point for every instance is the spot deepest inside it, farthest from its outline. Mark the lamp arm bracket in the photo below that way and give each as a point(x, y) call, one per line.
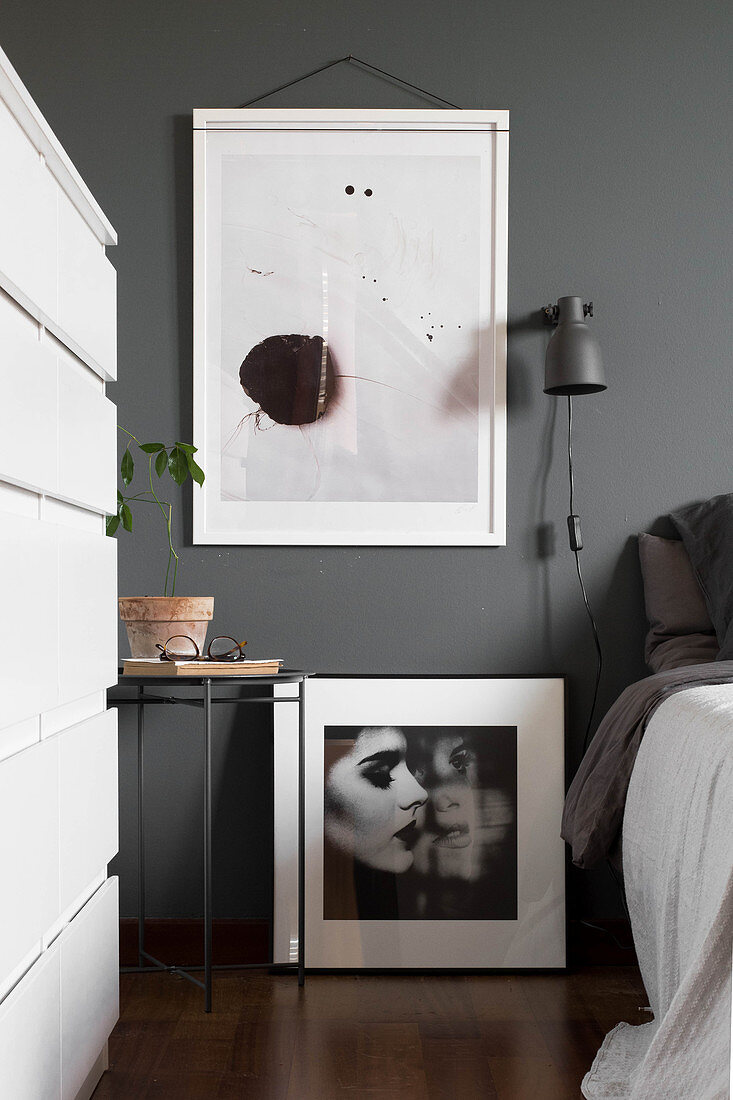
point(551, 313)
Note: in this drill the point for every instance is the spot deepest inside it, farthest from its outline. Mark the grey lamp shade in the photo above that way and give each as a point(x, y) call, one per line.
point(573, 358)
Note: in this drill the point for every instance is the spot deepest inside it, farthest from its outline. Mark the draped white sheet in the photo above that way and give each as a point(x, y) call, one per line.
point(678, 869)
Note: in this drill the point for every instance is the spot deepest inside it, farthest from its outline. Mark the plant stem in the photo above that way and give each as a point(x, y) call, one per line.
point(175, 555)
point(171, 551)
point(167, 517)
point(143, 498)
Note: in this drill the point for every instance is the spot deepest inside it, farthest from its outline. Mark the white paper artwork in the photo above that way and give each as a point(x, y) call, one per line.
point(349, 367)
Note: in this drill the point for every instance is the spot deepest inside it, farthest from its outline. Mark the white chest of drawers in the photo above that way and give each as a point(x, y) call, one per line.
point(58, 633)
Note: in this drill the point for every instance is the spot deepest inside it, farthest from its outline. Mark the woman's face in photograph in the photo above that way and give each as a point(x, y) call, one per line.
point(446, 766)
point(373, 802)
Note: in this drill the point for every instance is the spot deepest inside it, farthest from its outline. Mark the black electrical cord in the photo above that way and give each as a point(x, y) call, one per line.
point(608, 932)
point(576, 545)
point(619, 882)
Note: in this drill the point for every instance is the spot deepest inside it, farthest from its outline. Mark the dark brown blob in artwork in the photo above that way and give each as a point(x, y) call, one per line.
point(290, 378)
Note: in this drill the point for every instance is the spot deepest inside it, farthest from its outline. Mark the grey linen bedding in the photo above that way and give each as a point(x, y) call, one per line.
point(678, 873)
point(594, 806)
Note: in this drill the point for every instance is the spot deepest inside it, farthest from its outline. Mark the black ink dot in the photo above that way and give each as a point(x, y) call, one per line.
point(459, 326)
point(428, 336)
point(432, 326)
point(284, 376)
point(368, 192)
point(374, 280)
point(364, 277)
point(349, 190)
point(441, 326)
point(384, 299)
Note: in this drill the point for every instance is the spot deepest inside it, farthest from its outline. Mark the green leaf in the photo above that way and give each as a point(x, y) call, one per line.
point(113, 522)
point(120, 497)
point(187, 447)
point(160, 463)
point(152, 448)
point(127, 468)
point(195, 470)
point(177, 465)
point(126, 517)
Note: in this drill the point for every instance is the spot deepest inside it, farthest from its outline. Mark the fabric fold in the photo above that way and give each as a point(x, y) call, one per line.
point(594, 805)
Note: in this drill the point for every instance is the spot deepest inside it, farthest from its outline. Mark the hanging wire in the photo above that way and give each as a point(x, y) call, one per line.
point(596, 639)
point(357, 61)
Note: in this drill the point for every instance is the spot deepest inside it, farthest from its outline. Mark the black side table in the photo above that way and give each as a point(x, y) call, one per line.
point(210, 692)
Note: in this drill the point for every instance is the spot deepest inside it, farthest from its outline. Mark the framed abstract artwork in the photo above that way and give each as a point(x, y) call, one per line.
point(432, 832)
point(350, 285)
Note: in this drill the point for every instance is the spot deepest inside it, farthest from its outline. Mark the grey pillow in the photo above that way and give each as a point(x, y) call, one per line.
point(707, 532)
point(680, 629)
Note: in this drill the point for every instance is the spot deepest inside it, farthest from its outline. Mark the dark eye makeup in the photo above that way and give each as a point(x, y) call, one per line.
point(461, 759)
point(377, 769)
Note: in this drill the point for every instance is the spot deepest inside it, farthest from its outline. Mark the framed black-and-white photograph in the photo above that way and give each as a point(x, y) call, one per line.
point(350, 285)
point(433, 811)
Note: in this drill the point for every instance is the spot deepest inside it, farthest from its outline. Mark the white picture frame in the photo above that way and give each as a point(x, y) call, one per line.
point(376, 241)
point(533, 936)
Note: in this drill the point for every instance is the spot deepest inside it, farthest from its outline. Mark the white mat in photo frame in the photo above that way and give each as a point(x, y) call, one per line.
point(514, 734)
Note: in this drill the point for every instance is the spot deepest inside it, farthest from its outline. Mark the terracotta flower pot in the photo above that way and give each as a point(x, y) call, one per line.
point(154, 619)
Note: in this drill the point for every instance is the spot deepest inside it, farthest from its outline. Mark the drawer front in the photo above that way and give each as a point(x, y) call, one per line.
point(29, 599)
point(87, 613)
point(30, 1037)
point(28, 410)
point(57, 428)
point(28, 216)
point(87, 289)
point(89, 949)
point(58, 591)
point(57, 1019)
point(87, 439)
point(29, 851)
point(87, 802)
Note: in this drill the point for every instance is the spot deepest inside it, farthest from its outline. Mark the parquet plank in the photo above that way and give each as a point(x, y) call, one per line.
point(530, 1079)
point(345, 1059)
point(456, 1067)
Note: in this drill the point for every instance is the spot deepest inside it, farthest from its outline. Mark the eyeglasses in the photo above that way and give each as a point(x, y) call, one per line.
point(181, 647)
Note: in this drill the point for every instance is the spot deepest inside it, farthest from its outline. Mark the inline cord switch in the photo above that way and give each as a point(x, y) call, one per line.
point(574, 533)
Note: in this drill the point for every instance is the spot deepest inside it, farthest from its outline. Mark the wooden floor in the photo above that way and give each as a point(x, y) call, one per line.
point(377, 1037)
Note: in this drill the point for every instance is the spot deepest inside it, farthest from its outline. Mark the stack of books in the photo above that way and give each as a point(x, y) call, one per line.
point(153, 666)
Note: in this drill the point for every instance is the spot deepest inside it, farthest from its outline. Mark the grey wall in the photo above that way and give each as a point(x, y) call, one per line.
point(619, 191)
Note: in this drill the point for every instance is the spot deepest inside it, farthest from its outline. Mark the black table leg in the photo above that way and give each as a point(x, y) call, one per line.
point(140, 833)
point(301, 833)
point(208, 916)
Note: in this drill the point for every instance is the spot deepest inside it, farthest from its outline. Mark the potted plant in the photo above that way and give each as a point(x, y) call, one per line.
point(154, 619)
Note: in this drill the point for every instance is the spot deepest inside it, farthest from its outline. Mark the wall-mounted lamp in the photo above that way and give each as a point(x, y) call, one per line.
point(573, 366)
point(573, 358)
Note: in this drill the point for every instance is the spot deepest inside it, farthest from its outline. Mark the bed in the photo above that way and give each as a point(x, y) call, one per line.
point(654, 795)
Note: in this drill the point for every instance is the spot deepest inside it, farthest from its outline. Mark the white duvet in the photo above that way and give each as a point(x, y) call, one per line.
point(678, 870)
